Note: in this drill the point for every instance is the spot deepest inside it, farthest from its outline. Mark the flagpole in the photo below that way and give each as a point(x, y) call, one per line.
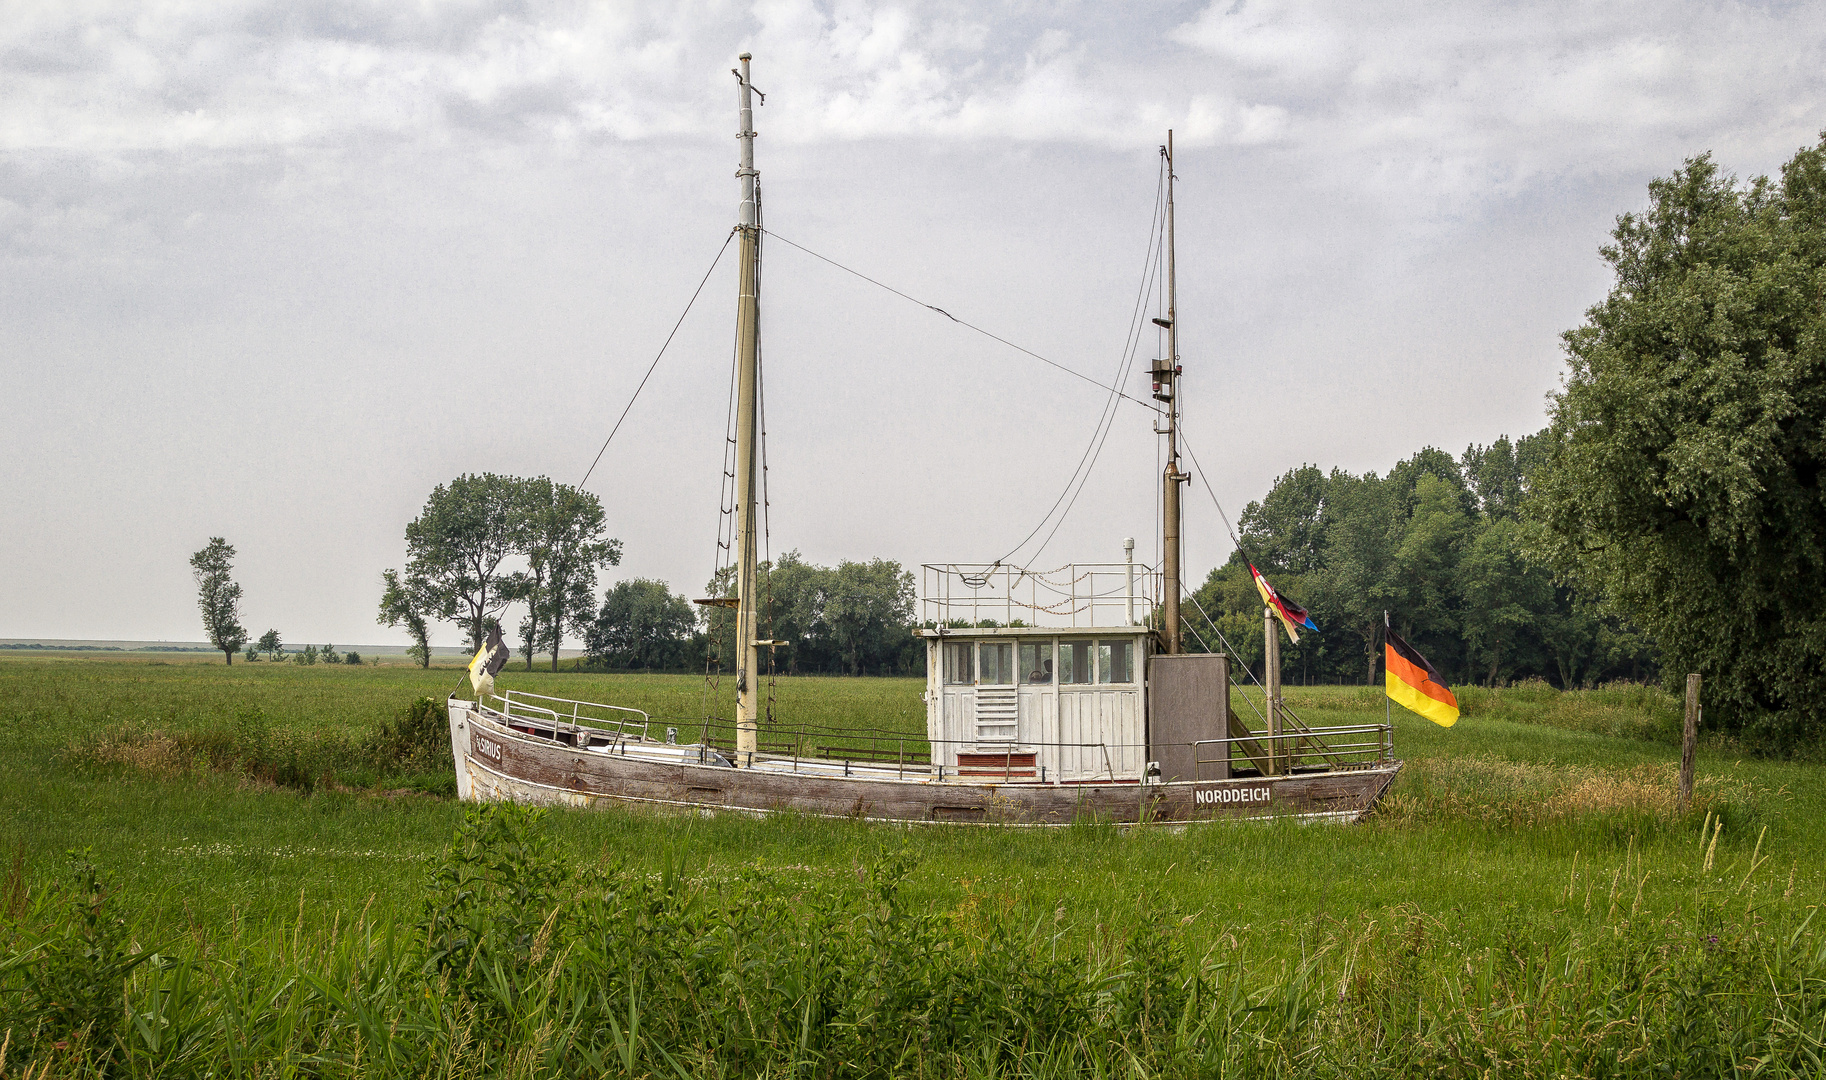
point(1388, 708)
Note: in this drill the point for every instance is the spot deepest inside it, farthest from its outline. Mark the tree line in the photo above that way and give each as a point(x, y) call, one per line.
point(1671, 516)
point(852, 619)
point(485, 543)
point(1443, 547)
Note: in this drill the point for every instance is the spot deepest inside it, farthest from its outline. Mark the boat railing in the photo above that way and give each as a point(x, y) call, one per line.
point(911, 756)
point(1344, 748)
point(1311, 750)
point(568, 716)
point(1073, 595)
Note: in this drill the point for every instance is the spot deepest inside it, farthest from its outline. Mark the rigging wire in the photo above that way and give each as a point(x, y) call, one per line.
point(656, 358)
point(1228, 528)
point(1074, 373)
point(1074, 486)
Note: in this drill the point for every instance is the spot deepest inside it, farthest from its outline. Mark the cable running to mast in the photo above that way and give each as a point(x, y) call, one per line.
point(662, 352)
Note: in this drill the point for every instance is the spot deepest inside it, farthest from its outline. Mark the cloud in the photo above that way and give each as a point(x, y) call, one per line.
point(1491, 98)
point(117, 78)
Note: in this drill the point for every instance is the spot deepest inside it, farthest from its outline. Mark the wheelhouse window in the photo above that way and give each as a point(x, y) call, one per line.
point(1074, 662)
point(1036, 663)
point(997, 664)
point(960, 666)
point(1116, 661)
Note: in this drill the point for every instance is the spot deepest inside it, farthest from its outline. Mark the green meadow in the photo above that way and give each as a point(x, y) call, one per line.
point(270, 869)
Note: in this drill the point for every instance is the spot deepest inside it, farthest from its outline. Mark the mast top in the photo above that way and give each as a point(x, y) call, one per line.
point(750, 213)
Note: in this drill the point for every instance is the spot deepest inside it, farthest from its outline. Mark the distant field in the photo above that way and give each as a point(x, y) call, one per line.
point(1544, 815)
point(87, 646)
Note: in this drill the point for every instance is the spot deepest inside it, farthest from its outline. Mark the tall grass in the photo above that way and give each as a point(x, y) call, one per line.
point(522, 963)
point(1527, 902)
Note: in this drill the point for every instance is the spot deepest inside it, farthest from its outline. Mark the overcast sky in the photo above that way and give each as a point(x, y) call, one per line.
point(273, 270)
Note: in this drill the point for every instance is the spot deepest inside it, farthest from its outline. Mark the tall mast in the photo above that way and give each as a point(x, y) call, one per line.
point(747, 323)
point(1166, 377)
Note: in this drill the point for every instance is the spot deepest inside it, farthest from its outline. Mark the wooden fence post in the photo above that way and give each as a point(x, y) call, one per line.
point(1688, 744)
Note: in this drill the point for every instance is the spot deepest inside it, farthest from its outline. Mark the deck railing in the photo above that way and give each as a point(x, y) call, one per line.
point(617, 722)
point(1077, 594)
point(822, 749)
point(1323, 749)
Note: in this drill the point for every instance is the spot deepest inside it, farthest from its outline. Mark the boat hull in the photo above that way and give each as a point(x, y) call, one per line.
point(498, 763)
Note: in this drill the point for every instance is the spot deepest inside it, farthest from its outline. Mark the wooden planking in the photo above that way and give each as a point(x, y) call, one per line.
point(1010, 765)
point(504, 764)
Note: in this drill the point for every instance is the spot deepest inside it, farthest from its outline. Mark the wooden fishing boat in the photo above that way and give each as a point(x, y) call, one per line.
point(1052, 696)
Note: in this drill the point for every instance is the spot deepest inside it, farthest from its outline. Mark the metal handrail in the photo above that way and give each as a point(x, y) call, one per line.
point(993, 589)
point(513, 702)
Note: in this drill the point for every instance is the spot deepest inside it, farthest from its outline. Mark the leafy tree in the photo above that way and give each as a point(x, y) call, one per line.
point(308, 656)
point(219, 597)
point(1285, 532)
point(329, 655)
point(404, 602)
point(641, 625)
point(855, 618)
point(1359, 581)
point(271, 645)
point(869, 609)
point(564, 540)
point(252, 652)
point(456, 545)
point(1683, 482)
point(1505, 596)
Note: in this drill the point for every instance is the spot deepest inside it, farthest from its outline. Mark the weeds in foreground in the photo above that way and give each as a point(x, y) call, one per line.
point(523, 964)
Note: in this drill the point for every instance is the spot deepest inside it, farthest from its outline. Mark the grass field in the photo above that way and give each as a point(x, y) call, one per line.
point(1541, 828)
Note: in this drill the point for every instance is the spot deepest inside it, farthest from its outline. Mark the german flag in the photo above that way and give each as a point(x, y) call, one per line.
point(1416, 685)
point(1291, 615)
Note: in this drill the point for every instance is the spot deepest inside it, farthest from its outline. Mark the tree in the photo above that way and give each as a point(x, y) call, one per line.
point(564, 544)
point(403, 603)
point(252, 652)
point(271, 645)
point(329, 655)
point(218, 597)
point(869, 608)
point(1358, 582)
point(1286, 530)
point(456, 545)
point(1505, 595)
point(1683, 480)
point(641, 625)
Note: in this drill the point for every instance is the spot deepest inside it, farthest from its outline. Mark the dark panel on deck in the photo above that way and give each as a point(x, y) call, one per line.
point(1188, 697)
